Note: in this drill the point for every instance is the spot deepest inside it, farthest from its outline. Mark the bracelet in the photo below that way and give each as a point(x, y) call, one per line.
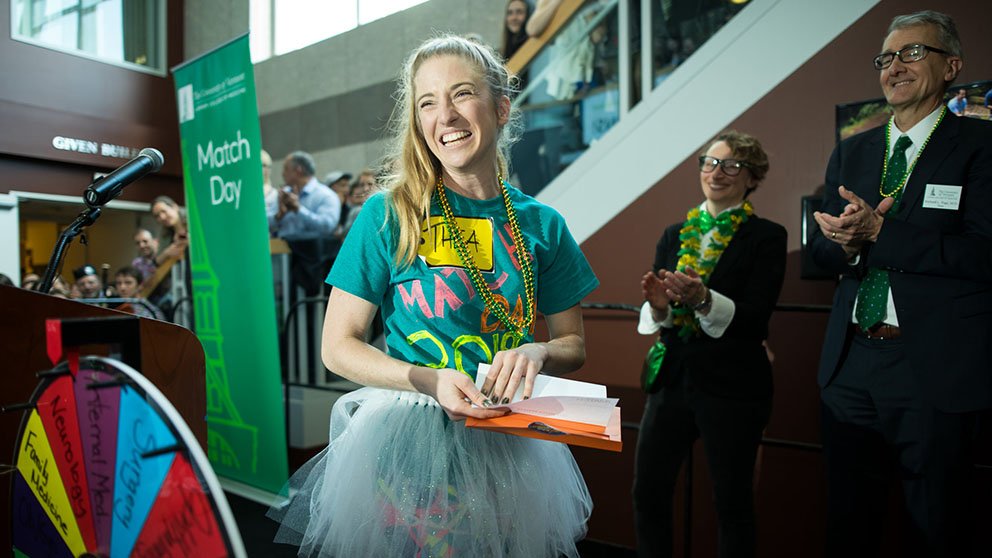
point(705, 303)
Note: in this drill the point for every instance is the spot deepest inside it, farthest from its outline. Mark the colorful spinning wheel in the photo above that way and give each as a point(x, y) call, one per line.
point(105, 466)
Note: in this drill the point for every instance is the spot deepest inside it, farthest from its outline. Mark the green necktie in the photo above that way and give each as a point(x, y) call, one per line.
point(873, 293)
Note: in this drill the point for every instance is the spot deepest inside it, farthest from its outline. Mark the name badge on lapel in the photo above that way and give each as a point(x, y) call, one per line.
point(942, 196)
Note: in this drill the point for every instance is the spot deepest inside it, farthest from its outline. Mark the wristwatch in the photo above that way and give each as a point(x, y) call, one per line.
point(705, 303)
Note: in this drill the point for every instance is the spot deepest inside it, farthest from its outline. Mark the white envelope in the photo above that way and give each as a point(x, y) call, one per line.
point(560, 399)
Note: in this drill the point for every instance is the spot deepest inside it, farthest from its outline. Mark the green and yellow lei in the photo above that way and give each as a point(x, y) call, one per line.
point(697, 224)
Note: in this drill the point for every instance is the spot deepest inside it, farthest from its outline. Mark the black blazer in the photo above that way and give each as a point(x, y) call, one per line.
point(940, 261)
point(750, 272)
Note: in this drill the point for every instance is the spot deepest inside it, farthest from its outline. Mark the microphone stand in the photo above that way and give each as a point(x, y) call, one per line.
point(86, 218)
point(95, 196)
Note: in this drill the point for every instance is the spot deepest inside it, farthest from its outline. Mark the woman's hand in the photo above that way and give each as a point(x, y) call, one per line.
point(345, 352)
point(653, 291)
point(456, 393)
point(176, 250)
point(511, 367)
point(686, 288)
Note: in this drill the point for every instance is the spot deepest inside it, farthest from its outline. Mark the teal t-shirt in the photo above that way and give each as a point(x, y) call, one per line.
point(431, 312)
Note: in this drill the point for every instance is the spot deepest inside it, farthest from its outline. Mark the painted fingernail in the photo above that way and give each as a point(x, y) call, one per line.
point(526, 397)
point(506, 400)
point(487, 403)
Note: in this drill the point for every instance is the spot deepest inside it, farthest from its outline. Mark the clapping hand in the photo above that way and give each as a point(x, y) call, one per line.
point(685, 287)
point(653, 290)
point(288, 201)
point(857, 224)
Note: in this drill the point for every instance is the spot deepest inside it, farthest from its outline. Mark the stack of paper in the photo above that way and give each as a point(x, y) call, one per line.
point(560, 410)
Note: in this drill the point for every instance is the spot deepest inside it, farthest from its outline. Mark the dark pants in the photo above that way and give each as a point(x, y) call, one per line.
point(875, 422)
point(731, 431)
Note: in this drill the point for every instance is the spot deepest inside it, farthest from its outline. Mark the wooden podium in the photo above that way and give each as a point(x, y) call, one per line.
point(171, 357)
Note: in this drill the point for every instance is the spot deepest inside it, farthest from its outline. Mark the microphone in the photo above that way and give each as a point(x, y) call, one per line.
point(111, 185)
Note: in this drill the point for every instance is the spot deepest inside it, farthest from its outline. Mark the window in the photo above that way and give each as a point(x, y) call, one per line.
point(128, 33)
point(281, 26)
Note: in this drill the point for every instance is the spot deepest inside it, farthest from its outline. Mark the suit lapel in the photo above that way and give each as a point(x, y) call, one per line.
point(937, 149)
point(876, 153)
point(733, 252)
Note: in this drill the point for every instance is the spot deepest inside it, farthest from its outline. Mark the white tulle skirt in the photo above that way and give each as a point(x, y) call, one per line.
point(400, 479)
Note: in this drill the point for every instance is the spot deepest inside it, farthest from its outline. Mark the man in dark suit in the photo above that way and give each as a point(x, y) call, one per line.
point(905, 368)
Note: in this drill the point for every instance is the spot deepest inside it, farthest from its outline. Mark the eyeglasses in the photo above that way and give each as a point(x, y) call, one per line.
point(731, 167)
point(907, 55)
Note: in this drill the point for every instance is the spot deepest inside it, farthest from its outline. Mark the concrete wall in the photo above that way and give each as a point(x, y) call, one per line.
point(211, 23)
point(334, 98)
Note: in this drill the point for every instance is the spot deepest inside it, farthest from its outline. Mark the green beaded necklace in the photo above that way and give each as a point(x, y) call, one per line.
point(481, 287)
point(909, 171)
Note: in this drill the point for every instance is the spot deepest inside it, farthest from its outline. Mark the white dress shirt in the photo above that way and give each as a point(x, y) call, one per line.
point(713, 323)
point(917, 134)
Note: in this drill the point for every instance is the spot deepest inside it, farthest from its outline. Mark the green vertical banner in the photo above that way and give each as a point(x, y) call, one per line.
point(234, 301)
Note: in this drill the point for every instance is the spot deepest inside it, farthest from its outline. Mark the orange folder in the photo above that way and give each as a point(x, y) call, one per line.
point(567, 432)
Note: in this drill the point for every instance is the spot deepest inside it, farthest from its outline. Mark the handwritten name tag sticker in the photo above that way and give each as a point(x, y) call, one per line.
point(438, 248)
point(942, 196)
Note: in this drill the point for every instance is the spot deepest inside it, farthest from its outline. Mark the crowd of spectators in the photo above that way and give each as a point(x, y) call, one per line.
point(302, 208)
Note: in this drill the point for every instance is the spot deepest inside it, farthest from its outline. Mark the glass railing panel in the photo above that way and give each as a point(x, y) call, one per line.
point(679, 27)
point(571, 94)
point(570, 98)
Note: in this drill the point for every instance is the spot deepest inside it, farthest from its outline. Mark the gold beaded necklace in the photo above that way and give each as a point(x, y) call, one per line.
point(478, 281)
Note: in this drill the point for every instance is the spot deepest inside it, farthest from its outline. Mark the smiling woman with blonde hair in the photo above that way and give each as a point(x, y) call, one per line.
point(459, 262)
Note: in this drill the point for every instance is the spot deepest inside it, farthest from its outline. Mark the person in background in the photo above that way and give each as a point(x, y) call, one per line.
point(61, 288)
point(147, 263)
point(127, 281)
point(400, 456)
point(958, 103)
point(713, 287)
point(904, 371)
point(340, 183)
point(175, 234)
point(147, 246)
point(360, 190)
point(30, 281)
point(88, 284)
point(514, 27)
point(306, 208)
point(269, 192)
point(573, 55)
point(539, 20)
